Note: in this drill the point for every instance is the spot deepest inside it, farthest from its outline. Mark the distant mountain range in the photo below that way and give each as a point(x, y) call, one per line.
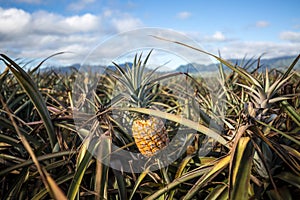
point(278, 63)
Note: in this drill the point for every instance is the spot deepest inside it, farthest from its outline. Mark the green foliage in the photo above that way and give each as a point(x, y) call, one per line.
point(255, 156)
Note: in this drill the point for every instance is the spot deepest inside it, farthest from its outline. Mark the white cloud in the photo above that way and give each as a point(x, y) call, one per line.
point(13, 21)
point(296, 26)
point(126, 24)
point(240, 49)
point(290, 36)
point(107, 13)
point(218, 36)
point(40, 34)
point(80, 4)
point(49, 23)
point(184, 15)
point(29, 1)
point(262, 24)
point(85, 23)
point(230, 47)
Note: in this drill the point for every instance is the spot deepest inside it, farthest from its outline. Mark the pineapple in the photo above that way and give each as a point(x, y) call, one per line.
point(150, 135)
point(149, 132)
point(260, 108)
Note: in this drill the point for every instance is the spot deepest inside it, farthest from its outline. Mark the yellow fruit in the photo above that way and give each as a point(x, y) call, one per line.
point(136, 84)
point(150, 135)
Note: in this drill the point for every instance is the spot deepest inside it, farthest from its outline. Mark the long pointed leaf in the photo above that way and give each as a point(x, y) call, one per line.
point(80, 170)
point(186, 122)
point(291, 112)
point(121, 184)
point(218, 193)
point(216, 169)
point(138, 182)
point(238, 70)
point(103, 152)
point(34, 94)
point(241, 169)
point(186, 177)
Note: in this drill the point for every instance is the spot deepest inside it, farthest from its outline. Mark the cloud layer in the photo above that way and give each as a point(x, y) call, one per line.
point(40, 34)
point(80, 4)
point(262, 24)
point(184, 15)
point(290, 36)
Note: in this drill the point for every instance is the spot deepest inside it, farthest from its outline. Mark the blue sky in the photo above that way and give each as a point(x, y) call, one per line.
point(39, 28)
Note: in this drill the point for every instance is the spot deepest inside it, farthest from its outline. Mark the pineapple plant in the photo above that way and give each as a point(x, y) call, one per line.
point(262, 109)
point(137, 83)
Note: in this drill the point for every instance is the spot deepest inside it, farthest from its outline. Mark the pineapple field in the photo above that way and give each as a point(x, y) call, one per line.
point(132, 132)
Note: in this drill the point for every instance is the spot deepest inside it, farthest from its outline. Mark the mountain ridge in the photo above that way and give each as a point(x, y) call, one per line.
point(270, 63)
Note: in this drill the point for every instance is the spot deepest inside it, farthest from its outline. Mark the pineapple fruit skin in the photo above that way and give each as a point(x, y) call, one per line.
point(150, 135)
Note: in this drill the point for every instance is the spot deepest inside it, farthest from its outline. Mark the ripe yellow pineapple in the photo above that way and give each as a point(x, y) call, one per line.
point(149, 132)
point(150, 135)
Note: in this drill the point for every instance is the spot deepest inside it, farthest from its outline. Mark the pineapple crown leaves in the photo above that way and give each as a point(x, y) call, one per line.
point(263, 93)
point(135, 81)
point(138, 81)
